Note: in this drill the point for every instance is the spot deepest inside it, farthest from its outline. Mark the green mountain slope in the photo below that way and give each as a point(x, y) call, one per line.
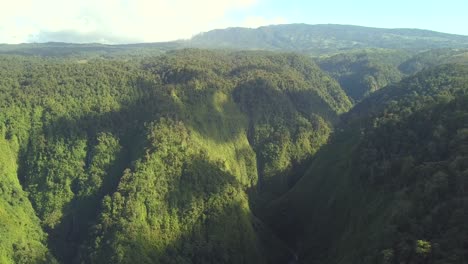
point(361, 73)
point(322, 39)
point(21, 237)
point(109, 154)
point(433, 58)
point(162, 159)
point(89, 50)
point(390, 187)
point(302, 38)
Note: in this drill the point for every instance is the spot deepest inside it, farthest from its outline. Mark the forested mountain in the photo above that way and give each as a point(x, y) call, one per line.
point(355, 151)
point(363, 72)
point(87, 51)
point(159, 160)
point(361, 59)
point(391, 186)
point(433, 58)
point(307, 39)
point(321, 39)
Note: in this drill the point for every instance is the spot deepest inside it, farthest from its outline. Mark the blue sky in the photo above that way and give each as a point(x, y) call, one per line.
point(447, 16)
point(129, 21)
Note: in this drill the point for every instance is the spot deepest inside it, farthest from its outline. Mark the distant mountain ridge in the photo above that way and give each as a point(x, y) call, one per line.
point(177, 153)
point(326, 38)
point(309, 39)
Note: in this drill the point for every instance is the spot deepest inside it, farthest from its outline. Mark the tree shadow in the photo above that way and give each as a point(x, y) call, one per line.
point(127, 125)
point(204, 111)
point(203, 218)
point(276, 117)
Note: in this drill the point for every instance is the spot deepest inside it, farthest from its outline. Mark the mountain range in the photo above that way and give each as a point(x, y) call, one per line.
point(282, 144)
point(303, 38)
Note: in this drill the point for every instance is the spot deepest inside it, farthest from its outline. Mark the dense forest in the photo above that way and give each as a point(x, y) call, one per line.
point(391, 185)
point(155, 161)
point(326, 38)
point(159, 153)
point(314, 40)
point(363, 72)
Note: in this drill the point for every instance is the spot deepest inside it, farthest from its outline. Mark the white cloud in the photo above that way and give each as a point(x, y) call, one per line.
point(110, 21)
point(258, 21)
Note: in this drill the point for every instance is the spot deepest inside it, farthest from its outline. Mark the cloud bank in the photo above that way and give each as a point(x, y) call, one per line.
point(115, 21)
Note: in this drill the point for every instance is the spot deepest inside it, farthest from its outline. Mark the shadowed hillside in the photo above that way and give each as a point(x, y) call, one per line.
point(158, 160)
point(390, 187)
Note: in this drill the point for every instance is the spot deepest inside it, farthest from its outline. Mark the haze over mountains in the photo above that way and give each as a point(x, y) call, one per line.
point(303, 38)
point(320, 39)
point(283, 144)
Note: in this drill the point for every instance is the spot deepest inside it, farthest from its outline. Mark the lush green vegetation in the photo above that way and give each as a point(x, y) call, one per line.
point(21, 237)
point(155, 160)
point(142, 154)
point(361, 73)
point(88, 51)
point(326, 39)
point(316, 40)
point(390, 187)
point(431, 58)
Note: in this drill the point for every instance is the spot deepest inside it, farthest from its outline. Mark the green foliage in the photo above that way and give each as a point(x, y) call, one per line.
point(83, 52)
point(166, 205)
point(423, 247)
point(170, 159)
point(390, 186)
point(21, 237)
point(364, 72)
point(157, 159)
point(314, 40)
point(431, 58)
point(326, 39)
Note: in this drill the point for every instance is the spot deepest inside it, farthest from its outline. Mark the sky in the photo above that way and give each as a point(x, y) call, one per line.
point(134, 21)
